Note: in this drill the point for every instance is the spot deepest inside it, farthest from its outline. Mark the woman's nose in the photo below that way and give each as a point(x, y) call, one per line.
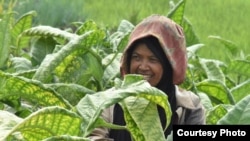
point(143, 65)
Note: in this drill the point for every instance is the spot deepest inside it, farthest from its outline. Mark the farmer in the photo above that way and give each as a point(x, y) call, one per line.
point(157, 50)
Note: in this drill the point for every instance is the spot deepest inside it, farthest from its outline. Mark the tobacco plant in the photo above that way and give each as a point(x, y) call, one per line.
point(55, 83)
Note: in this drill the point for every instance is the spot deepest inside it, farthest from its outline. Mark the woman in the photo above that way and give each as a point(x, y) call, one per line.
point(157, 50)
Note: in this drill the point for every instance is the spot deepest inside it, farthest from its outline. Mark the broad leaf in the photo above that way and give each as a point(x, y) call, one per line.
point(91, 106)
point(206, 101)
point(21, 64)
point(47, 122)
point(239, 114)
point(22, 24)
point(141, 114)
point(41, 48)
point(72, 92)
point(231, 46)
point(240, 91)
point(5, 38)
point(119, 39)
point(33, 91)
point(7, 122)
point(215, 114)
point(240, 67)
point(51, 61)
point(192, 50)
point(213, 70)
point(217, 91)
point(113, 68)
point(43, 30)
point(177, 14)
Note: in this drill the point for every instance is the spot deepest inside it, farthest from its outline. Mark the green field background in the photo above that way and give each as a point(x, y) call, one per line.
point(228, 19)
point(225, 18)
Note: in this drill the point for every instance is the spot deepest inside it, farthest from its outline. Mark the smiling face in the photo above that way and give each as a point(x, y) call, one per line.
point(144, 62)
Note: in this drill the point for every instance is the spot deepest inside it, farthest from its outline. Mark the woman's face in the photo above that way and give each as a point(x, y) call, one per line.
point(144, 62)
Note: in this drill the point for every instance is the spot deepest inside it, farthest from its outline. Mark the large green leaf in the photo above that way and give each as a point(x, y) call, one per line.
point(215, 114)
point(240, 91)
point(77, 47)
point(21, 64)
point(131, 125)
point(87, 26)
point(231, 46)
point(213, 70)
point(217, 91)
point(91, 106)
point(177, 14)
point(193, 49)
point(141, 113)
point(206, 101)
point(22, 24)
point(119, 38)
point(190, 34)
point(41, 48)
point(240, 67)
point(112, 70)
point(239, 114)
point(33, 91)
point(43, 30)
point(94, 67)
point(44, 72)
point(5, 38)
point(47, 122)
point(72, 92)
point(83, 69)
point(7, 122)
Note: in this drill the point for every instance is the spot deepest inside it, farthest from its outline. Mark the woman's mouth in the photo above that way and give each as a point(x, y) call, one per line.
point(146, 77)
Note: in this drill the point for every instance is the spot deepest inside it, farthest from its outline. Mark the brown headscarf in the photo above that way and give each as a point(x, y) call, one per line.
point(171, 38)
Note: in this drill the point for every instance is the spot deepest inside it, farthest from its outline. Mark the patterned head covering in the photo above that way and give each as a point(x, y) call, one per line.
point(171, 38)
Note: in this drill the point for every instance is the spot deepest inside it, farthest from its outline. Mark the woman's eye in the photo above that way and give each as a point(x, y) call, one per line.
point(154, 60)
point(135, 57)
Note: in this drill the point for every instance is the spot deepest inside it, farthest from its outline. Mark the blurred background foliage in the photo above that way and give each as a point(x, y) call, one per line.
point(227, 19)
point(56, 13)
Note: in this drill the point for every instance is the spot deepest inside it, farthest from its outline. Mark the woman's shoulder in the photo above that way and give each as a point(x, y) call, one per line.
point(186, 98)
point(191, 110)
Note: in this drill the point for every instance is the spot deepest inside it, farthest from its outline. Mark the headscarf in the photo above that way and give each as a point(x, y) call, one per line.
point(171, 38)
